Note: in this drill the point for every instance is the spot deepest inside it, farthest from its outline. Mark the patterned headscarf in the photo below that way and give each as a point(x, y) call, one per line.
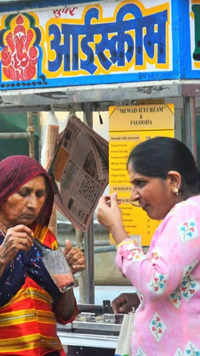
point(17, 170)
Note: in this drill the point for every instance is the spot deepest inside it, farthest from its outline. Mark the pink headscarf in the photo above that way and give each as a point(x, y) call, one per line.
point(15, 171)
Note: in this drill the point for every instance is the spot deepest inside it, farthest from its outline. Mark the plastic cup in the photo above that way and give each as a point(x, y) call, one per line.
point(58, 268)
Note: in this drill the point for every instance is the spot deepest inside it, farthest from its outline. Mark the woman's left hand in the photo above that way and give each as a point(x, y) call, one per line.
point(74, 257)
point(108, 211)
point(109, 215)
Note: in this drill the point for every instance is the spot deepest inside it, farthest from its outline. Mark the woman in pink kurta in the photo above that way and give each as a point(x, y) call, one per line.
point(166, 183)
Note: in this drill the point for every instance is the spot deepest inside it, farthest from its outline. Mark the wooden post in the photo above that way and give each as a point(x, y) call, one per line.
point(51, 140)
point(30, 130)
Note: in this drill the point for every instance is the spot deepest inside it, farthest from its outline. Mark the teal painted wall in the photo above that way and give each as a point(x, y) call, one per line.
point(16, 123)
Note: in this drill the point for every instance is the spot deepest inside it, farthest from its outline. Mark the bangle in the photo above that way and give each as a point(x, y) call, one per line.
point(133, 239)
point(125, 242)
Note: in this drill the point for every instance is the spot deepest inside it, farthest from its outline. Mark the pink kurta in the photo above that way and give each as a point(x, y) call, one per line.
point(167, 279)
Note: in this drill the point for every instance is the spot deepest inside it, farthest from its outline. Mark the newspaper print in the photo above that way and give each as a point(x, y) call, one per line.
point(80, 172)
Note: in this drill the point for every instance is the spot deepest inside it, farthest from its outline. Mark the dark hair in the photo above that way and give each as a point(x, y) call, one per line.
point(159, 155)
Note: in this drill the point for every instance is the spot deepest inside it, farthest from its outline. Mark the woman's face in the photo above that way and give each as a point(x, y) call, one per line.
point(155, 195)
point(24, 206)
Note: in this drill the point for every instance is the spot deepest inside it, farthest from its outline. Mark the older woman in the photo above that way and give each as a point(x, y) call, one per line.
point(166, 183)
point(30, 302)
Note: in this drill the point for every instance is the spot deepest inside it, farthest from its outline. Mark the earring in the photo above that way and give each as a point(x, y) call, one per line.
point(175, 191)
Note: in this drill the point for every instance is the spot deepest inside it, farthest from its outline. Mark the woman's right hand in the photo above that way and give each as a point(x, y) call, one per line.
point(125, 302)
point(19, 237)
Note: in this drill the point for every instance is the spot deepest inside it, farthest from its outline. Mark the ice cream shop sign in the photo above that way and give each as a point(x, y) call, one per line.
point(103, 42)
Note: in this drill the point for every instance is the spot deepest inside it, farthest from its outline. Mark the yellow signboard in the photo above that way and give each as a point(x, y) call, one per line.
point(124, 135)
point(142, 117)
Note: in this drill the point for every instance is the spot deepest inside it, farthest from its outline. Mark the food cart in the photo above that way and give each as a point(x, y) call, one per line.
point(89, 55)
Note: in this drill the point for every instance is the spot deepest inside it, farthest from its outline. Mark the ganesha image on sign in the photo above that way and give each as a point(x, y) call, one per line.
point(19, 56)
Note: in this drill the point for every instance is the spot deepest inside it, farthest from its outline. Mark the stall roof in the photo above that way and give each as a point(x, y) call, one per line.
point(99, 96)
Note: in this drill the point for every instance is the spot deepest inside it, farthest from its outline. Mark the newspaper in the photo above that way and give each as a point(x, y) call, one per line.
point(80, 172)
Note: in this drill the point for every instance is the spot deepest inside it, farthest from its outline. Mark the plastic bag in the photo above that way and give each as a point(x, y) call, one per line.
point(124, 342)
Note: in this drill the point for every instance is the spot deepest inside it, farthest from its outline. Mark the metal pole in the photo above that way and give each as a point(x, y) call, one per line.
point(178, 118)
point(89, 235)
point(89, 254)
point(190, 135)
point(82, 277)
point(79, 236)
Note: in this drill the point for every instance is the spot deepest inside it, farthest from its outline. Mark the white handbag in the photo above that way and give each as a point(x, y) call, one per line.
point(124, 342)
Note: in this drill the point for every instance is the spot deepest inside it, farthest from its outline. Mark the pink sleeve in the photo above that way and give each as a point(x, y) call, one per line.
point(174, 255)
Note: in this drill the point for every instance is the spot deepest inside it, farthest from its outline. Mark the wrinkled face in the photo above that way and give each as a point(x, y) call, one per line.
point(154, 195)
point(24, 206)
